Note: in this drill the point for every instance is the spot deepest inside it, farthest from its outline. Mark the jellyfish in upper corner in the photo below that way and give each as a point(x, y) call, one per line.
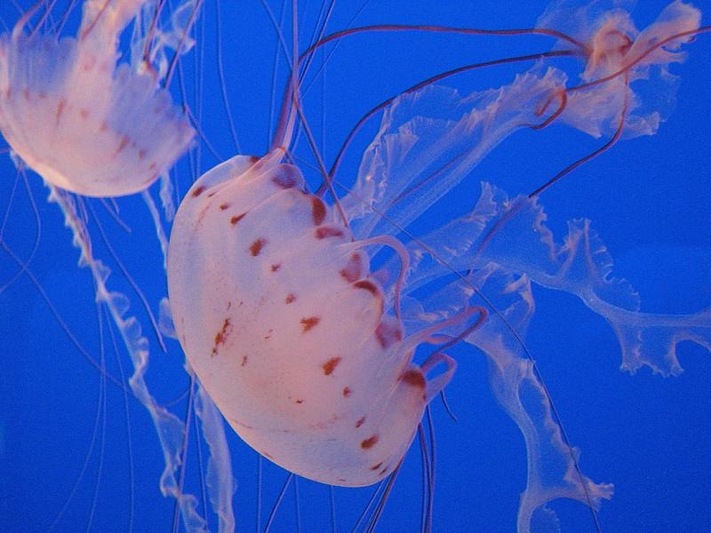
point(80, 117)
point(93, 124)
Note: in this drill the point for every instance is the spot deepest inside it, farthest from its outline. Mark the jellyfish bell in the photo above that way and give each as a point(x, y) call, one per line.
point(78, 115)
point(328, 395)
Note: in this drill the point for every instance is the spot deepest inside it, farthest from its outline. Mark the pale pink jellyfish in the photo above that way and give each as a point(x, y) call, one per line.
point(308, 353)
point(80, 117)
point(91, 123)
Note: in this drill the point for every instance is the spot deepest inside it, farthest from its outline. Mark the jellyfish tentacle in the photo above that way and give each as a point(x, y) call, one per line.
point(438, 383)
point(403, 256)
point(219, 482)
point(170, 429)
point(418, 158)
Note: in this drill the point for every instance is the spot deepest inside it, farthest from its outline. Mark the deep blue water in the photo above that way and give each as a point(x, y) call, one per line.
point(76, 452)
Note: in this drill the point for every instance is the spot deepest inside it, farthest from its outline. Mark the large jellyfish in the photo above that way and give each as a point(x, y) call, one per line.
point(642, 432)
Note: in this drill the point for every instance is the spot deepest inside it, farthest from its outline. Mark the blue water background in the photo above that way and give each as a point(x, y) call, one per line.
point(64, 433)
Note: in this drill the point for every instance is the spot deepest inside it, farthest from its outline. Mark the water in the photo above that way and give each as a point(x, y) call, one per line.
point(74, 447)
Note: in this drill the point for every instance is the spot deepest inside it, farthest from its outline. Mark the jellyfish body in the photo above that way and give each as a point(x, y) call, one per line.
point(279, 317)
point(83, 123)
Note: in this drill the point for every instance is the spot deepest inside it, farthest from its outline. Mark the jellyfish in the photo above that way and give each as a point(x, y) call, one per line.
point(480, 462)
point(93, 125)
point(58, 94)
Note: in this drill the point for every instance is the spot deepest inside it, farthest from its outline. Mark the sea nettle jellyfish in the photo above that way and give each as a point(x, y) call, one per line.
point(335, 284)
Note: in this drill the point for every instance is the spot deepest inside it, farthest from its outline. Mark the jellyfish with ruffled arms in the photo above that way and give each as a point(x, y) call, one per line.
point(92, 124)
point(308, 352)
point(61, 97)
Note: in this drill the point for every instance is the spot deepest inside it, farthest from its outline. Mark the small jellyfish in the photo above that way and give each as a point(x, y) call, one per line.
point(83, 122)
point(93, 127)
